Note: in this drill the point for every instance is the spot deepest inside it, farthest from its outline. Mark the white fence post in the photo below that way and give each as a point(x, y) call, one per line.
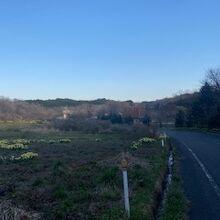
point(125, 184)
point(162, 141)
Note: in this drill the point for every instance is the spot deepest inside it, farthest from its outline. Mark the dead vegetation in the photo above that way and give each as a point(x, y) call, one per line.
point(8, 211)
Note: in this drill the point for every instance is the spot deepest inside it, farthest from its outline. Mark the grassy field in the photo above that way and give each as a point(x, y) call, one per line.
point(76, 175)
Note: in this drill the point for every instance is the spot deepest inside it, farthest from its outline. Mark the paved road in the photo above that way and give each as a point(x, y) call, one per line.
point(200, 168)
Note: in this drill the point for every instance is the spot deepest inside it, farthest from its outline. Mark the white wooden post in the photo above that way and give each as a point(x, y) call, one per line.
point(125, 184)
point(162, 141)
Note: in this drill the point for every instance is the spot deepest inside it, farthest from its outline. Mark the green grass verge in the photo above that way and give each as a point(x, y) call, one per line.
point(176, 204)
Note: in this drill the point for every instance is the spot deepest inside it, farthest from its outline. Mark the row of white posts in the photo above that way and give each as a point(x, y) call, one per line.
point(124, 164)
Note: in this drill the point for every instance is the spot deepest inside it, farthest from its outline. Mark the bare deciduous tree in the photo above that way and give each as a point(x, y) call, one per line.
point(213, 78)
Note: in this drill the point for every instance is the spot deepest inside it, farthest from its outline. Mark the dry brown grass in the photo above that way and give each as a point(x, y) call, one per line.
point(132, 161)
point(9, 212)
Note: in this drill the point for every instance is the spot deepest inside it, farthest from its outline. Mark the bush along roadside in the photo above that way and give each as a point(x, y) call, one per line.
point(175, 203)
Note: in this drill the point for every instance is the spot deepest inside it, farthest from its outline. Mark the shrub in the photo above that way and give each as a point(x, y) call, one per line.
point(180, 119)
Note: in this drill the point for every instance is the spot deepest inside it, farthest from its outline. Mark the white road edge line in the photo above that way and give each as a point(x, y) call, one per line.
point(211, 180)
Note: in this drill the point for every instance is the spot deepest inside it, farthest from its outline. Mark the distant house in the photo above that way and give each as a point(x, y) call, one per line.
point(137, 121)
point(66, 114)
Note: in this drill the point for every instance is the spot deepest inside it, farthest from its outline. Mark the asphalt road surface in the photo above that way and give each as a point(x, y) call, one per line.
point(200, 168)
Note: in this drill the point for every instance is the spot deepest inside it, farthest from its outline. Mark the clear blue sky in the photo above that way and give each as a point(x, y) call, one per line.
point(118, 49)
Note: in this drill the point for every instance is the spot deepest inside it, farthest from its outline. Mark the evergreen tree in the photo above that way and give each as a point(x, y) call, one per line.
point(180, 118)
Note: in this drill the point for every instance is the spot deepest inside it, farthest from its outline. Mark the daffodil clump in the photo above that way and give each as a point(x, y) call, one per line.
point(142, 141)
point(14, 145)
point(23, 141)
point(51, 141)
point(62, 140)
point(27, 156)
point(41, 140)
point(24, 156)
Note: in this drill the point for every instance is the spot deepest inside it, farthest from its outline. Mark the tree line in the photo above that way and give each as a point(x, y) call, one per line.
point(53, 103)
point(204, 112)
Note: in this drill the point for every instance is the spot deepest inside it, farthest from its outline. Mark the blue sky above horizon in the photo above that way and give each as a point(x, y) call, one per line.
point(115, 49)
